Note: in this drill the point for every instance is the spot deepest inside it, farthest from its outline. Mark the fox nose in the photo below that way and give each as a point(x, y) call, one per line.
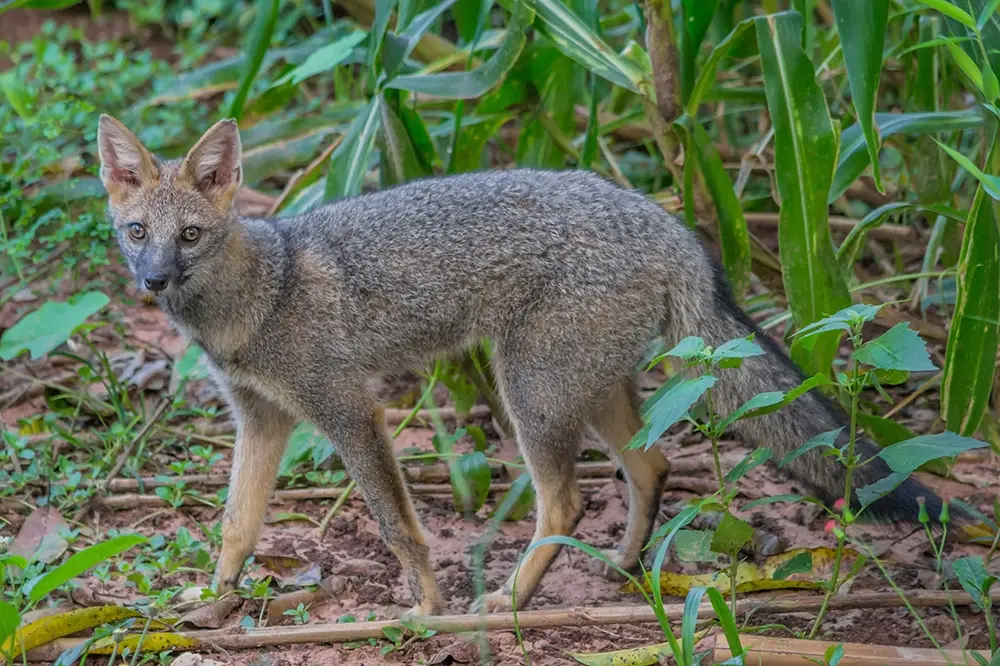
point(156, 282)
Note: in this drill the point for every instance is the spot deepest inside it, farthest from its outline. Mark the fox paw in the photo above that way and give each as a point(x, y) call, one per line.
point(495, 602)
point(606, 570)
point(426, 608)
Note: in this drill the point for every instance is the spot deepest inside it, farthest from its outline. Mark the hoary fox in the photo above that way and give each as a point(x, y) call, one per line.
point(569, 276)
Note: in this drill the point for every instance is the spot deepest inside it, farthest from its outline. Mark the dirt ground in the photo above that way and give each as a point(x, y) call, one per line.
point(371, 585)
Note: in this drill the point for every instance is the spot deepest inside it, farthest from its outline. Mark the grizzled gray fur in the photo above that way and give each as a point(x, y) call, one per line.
point(569, 276)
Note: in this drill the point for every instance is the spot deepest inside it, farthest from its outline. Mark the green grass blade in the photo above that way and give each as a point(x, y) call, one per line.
point(467, 85)
point(79, 563)
point(951, 11)
point(726, 620)
point(706, 77)
point(733, 233)
point(260, 39)
point(805, 153)
point(689, 620)
point(861, 26)
point(853, 151)
point(970, 358)
point(349, 162)
point(399, 161)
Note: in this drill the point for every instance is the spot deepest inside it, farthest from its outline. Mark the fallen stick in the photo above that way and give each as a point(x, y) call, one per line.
point(437, 473)
point(774, 651)
point(225, 639)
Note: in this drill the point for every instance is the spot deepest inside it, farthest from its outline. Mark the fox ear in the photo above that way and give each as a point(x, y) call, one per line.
point(214, 166)
point(126, 165)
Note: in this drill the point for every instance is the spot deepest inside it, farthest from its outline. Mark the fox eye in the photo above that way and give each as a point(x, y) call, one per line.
point(191, 234)
point(136, 231)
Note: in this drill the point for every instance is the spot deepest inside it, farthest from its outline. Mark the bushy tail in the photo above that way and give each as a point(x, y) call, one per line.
point(718, 318)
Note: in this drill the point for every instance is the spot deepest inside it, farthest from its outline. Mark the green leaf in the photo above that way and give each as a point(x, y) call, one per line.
point(518, 502)
point(854, 152)
point(801, 563)
point(847, 253)
point(805, 153)
point(966, 64)
point(905, 457)
point(856, 314)
point(349, 161)
point(729, 627)
point(774, 499)
point(687, 348)
point(192, 365)
point(974, 336)
point(736, 348)
point(987, 11)
point(861, 27)
point(707, 73)
point(323, 59)
point(990, 182)
point(787, 398)
point(826, 439)
point(573, 38)
point(899, 348)
point(974, 578)
point(17, 95)
point(421, 23)
point(260, 39)
point(733, 234)
point(80, 562)
point(398, 161)
point(49, 326)
point(472, 140)
point(760, 401)
point(755, 458)
point(689, 620)
point(10, 620)
point(694, 546)
point(731, 535)
point(470, 481)
point(696, 16)
point(670, 408)
point(952, 11)
point(476, 82)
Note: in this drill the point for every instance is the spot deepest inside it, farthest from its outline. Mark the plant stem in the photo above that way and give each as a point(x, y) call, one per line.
point(715, 441)
point(838, 556)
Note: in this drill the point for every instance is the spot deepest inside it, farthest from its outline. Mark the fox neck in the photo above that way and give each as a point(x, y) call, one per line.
point(223, 310)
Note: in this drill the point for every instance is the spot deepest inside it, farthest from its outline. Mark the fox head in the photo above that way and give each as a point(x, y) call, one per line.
point(173, 219)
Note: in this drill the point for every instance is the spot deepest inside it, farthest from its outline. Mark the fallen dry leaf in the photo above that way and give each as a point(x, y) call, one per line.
point(38, 538)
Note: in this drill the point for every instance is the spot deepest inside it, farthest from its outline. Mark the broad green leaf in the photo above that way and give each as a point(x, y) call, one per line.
point(476, 82)
point(687, 348)
point(974, 578)
point(37, 4)
point(799, 563)
point(861, 27)
point(755, 458)
point(826, 439)
point(695, 546)
point(886, 431)
point(731, 535)
point(951, 10)
point(899, 348)
point(858, 313)
point(905, 457)
point(670, 408)
point(974, 336)
point(470, 17)
point(729, 628)
point(323, 59)
point(758, 402)
point(51, 627)
point(470, 481)
point(10, 619)
point(805, 153)
point(349, 161)
point(696, 16)
point(49, 326)
point(767, 406)
point(736, 348)
point(854, 153)
point(80, 562)
point(260, 39)
point(733, 234)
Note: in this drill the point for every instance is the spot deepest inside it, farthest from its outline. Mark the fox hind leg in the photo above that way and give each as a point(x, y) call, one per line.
point(645, 473)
